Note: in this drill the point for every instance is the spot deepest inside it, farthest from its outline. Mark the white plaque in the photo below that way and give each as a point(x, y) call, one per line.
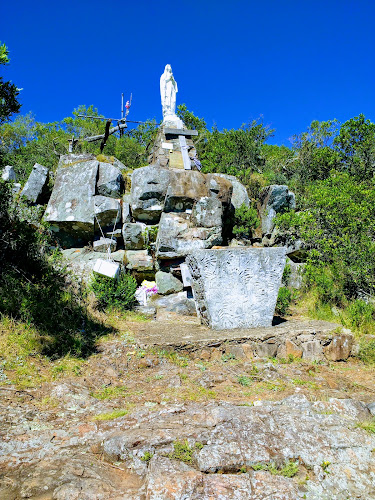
point(167, 145)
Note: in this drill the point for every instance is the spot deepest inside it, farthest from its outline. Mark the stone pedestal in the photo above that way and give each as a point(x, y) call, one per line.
point(236, 287)
point(167, 151)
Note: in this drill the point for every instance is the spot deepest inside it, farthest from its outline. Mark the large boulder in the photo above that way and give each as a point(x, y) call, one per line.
point(139, 263)
point(178, 303)
point(273, 200)
point(8, 174)
point(107, 211)
point(207, 212)
point(71, 206)
point(104, 244)
point(239, 195)
point(177, 238)
point(184, 189)
point(36, 186)
point(220, 188)
point(110, 181)
point(135, 235)
point(166, 283)
point(149, 187)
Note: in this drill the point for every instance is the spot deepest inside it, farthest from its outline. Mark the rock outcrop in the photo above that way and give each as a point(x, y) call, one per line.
point(35, 189)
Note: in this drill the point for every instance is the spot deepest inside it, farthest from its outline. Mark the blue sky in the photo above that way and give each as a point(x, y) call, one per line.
point(288, 61)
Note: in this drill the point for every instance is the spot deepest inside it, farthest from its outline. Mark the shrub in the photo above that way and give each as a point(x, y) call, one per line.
point(284, 300)
point(367, 350)
point(114, 293)
point(245, 221)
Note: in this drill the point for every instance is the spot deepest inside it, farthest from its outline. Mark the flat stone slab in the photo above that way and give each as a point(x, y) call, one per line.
point(193, 336)
point(179, 131)
point(236, 287)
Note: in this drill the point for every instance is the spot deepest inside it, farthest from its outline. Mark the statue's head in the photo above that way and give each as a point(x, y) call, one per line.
point(168, 68)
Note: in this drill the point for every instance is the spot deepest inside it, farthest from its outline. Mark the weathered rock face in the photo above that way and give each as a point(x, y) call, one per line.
point(236, 288)
point(184, 189)
point(103, 244)
point(177, 238)
point(239, 196)
point(166, 283)
point(71, 205)
point(139, 263)
point(36, 184)
point(110, 182)
point(107, 211)
point(274, 199)
point(178, 303)
point(135, 235)
point(149, 187)
point(8, 173)
point(220, 188)
point(81, 261)
point(207, 212)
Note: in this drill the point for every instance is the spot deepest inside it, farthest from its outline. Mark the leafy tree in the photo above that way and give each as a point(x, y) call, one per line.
point(314, 155)
point(338, 223)
point(235, 152)
point(190, 120)
point(245, 221)
point(356, 147)
point(8, 91)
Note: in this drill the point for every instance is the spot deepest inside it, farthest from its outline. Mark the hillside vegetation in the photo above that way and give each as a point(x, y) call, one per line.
point(330, 167)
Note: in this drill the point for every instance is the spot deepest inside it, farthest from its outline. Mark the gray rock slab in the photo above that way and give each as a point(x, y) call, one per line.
point(207, 212)
point(179, 131)
point(149, 187)
point(166, 283)
point(239, 196)
point(8, 173)
point(82, 260)
point(178, 303)
point(236, 287)
point(71, 205)
point(36, 184)
point(107, 210)
point(274, 199)
point(184, 189)
point(110, 181)
point(135, 235)
point(176, 238)
point(220, 187)
point(126, 210)
point(102, 245)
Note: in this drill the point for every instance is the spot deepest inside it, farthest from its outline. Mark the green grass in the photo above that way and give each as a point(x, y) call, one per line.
point(174, 357)
point(245, 381)
point(183, 451)
point(289, 469)
point(111, 415)
point(367, 426)
point(110, 392)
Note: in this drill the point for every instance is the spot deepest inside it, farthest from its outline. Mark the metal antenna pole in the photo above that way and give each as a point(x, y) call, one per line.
point(122, 105)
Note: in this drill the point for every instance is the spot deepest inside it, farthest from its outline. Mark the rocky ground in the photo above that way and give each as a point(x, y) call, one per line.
point(153, 422)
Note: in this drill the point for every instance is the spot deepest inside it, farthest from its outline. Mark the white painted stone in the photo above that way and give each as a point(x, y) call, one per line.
point(236, 287)
point(167, 145)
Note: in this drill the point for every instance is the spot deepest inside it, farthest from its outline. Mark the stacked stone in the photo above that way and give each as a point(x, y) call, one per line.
point(166, 151)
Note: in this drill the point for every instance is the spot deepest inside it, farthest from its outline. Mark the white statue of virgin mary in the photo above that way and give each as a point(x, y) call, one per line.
point(168, 91)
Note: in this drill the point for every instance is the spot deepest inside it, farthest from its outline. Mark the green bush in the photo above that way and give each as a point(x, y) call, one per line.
point(284, 300)
point(245, 221)
point(367, 350)
point(34, 285)
point(114, 293)
point(360, 313)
